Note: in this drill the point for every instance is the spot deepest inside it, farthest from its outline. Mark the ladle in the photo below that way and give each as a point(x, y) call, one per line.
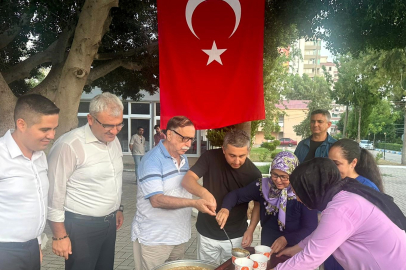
point(235, 251)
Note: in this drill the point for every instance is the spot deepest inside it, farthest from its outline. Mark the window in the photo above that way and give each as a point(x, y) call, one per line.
point(158, 109)
point(140, 108)
point(84, 107)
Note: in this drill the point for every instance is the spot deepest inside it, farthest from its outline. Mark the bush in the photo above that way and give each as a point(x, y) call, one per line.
point(264, 156)
point(268, 145)
point(389, 146)
point(378, 156)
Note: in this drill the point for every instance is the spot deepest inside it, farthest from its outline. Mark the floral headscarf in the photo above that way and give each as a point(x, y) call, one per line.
point(275, 198)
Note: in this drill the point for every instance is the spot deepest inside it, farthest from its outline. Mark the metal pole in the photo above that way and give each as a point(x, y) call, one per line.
point(384, 148)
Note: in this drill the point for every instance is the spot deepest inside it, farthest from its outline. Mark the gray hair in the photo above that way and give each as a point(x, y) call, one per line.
point(323, 112)
point(106, 101)
point(237, 138)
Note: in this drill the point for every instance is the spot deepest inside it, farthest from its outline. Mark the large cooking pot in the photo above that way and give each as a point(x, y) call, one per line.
point(170, 265)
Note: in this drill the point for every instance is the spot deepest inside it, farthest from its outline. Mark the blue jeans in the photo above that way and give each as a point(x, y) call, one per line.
point(137, 160)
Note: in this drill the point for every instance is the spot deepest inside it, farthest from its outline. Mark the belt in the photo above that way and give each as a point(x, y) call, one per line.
point(19, 244)
point(70, 215)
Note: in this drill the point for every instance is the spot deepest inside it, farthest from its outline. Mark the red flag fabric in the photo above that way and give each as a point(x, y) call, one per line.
point(211, 61)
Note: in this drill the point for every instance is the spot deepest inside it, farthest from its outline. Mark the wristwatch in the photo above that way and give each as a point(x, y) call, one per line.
point(121, 208)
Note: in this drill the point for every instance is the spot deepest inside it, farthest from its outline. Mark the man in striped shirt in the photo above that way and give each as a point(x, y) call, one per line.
point(161, 225)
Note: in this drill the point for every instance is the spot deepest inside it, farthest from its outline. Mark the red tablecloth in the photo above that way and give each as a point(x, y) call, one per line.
point(228, 265)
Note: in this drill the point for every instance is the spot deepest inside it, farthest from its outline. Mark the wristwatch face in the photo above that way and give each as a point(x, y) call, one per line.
point(121, 208)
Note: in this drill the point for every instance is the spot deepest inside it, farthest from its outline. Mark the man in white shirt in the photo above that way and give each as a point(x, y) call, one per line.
point(24, 182)
point(85, 177)
point(161, 225)
point(137, 148)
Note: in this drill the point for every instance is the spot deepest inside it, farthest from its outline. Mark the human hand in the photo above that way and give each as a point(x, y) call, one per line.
point(279, 244)
point(205, 207)
point(210, 198)
point(222, 217)
point(119, 219)
point(62, 247)
point(290, 251)
point(40, 255)
point(247, 238)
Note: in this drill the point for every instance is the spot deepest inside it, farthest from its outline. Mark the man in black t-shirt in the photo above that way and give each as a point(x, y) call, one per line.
point(223, 170)
point(319, 143)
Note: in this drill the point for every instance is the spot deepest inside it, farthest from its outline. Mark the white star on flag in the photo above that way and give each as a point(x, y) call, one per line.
point(214, 54)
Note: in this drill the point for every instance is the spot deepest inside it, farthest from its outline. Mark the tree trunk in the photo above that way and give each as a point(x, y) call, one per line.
point(88, 34)
point(345, 122)
point(7, 103)
point(246, 126)
point(359, 125)
point(404, 139)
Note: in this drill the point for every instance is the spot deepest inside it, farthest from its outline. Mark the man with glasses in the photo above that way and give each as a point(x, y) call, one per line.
point(85, 175)
point(161, 226)
point(137, 147)
point(223, 170)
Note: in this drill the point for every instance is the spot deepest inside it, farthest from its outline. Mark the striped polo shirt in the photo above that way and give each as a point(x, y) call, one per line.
point(159, 173)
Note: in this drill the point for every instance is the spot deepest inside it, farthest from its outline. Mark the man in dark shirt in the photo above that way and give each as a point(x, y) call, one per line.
point(223, 170)
point(319, 143)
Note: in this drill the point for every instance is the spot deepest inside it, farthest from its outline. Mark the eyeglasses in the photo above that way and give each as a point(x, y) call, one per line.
point(284, 178)
point(110, 127)
point(185, 139)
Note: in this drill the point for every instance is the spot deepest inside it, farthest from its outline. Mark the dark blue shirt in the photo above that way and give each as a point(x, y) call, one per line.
point(300, 221)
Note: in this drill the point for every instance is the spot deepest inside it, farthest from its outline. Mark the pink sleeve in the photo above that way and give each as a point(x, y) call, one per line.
point(334, 228)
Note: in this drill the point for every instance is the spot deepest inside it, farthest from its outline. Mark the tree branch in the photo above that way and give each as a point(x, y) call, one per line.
point(8, 36)
point(122, 55)
point(22, 70)
point(106, 68)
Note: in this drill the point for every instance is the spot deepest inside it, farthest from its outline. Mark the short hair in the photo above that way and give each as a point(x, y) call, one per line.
point(106, 101)
point(177, 122)
point(156, 126)
point(138, 128)
point(326, 113)
point(237, 138)
point(31, 107)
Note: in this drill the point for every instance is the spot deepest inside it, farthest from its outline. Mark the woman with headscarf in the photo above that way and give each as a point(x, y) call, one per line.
point(284, 220)
point(361, 227)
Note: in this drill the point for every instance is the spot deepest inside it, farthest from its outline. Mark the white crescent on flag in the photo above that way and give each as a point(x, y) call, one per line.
point(192, 5)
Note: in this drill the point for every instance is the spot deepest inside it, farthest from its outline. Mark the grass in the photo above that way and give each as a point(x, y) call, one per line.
point(257, 154)
point(264, 169)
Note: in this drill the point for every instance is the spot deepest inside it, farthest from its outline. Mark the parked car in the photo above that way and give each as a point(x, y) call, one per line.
point(287, 141)
point(366, 144)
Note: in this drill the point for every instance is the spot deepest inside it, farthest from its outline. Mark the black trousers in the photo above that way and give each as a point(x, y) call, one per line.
point(20, 256)
point(93, 243)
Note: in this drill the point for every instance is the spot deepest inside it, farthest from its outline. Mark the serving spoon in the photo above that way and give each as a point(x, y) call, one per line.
point(237, 252)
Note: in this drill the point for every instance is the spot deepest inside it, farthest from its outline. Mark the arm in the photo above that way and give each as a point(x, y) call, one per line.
point(308, 223)
point(248, 235)
point(61, 247)
point(131, 143)
point(190, 183)
point(242, 195)
point(61, 164)
point(334, 229)
point(169, 202)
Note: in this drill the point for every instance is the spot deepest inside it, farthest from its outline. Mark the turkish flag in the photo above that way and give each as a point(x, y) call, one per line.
point(211, 61)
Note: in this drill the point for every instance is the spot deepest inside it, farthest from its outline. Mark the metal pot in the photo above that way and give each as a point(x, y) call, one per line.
point(170, 265)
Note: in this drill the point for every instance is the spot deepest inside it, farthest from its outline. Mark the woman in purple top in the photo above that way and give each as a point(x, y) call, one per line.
point(284, 220)
point(354, 162)
point(361, 227)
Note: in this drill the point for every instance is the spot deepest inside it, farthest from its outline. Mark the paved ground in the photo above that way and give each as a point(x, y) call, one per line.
point(394, 182)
